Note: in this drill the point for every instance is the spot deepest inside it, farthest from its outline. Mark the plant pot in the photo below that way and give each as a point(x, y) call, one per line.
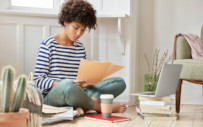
point(14, 119)
point(150, 82)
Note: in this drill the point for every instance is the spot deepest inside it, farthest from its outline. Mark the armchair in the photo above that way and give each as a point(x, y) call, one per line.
point(192, 70)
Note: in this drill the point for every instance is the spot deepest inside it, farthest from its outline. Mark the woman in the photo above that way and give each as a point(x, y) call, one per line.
point(59, 58)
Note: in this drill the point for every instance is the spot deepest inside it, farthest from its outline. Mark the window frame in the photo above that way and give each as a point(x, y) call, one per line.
point(6, 8)
point(56, 7)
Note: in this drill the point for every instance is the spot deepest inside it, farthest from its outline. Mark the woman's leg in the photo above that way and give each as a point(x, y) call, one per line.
point(68, 93)
point(113, 86)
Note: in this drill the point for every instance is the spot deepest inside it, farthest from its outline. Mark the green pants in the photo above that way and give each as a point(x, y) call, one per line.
point(67, 93)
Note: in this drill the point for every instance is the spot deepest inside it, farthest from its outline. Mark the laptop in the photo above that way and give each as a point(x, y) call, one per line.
point(167, 83)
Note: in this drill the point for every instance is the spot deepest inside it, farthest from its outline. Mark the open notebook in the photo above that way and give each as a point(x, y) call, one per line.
point(94, 71)
point(51, 114)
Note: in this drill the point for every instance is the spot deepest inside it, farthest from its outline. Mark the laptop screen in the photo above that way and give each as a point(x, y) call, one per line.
point(168, 79)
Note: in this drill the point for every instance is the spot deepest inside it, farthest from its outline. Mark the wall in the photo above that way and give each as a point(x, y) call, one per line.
point(159, 22)
point(151, 24)
point(21, 34)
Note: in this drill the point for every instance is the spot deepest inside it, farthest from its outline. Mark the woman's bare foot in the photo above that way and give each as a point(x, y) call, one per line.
point(80, 111)
point(97, 104)
point(119, 107)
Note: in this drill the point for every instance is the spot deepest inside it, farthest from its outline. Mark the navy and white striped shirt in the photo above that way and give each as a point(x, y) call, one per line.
point(56, 62)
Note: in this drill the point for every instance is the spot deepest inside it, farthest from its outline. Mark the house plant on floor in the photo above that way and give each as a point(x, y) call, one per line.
point(152, 77)
point(11, 114)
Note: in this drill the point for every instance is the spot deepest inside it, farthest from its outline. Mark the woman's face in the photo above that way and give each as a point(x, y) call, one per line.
point(74, 30)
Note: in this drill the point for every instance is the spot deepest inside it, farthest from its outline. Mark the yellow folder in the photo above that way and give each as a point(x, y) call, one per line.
point(94, 71)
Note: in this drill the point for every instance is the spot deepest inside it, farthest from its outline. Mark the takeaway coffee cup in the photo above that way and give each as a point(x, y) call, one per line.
point(106, 105)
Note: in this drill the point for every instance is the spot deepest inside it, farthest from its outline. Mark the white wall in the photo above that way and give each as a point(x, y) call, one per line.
point(160, 21)
point(21, 34)
point(151, 24)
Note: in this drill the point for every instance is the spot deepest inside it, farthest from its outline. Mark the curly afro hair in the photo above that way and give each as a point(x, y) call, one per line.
point(80, 11)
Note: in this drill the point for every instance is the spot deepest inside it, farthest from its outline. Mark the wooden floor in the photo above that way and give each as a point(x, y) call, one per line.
point(190, 116)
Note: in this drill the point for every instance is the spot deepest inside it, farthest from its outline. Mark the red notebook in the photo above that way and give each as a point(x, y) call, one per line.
point(113, 119)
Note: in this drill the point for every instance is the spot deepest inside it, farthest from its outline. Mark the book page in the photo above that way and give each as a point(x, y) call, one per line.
point(112, 69)
point(83, 69)
point(94, 71)
point(55, 118)
point(47, 109)
point(165, 98)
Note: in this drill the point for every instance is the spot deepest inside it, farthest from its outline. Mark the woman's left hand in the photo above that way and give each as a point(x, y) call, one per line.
point(81, 83)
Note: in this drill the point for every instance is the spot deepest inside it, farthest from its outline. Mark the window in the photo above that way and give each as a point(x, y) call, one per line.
point(34, 5)
point(49, 8)
point(48, 4)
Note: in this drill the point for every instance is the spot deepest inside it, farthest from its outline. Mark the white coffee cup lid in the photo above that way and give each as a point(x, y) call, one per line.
point(106, 96)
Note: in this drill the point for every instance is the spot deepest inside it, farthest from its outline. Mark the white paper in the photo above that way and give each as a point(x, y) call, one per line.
point(50, 119)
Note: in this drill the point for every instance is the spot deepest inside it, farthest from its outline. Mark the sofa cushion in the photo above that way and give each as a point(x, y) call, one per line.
point(192, 69)
point(183, 50)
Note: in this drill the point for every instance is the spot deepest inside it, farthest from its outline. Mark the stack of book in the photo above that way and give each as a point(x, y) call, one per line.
point(155, 108)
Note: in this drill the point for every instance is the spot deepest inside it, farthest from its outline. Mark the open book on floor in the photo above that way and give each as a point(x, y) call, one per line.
point(51, 114)
point(113, 118)
point(49, 110)
point(95, 71)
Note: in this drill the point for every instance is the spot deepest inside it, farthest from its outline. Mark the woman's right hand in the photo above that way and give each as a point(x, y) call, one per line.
point(81, 83)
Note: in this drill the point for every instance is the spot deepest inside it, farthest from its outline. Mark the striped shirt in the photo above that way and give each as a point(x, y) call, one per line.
point(56, 62)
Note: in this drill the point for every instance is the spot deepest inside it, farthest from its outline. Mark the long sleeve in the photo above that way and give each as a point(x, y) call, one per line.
point(42, 68)
point(56, 62)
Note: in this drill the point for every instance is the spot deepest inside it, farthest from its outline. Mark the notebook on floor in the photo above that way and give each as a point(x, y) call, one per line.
point(167, 83)
point(113, 118)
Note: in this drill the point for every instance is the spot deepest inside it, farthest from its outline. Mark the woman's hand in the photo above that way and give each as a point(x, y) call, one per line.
point(54, 84)
point(81, 83)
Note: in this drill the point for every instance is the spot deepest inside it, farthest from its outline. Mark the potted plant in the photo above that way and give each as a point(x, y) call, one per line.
point(152, 77)
point(11, 114)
